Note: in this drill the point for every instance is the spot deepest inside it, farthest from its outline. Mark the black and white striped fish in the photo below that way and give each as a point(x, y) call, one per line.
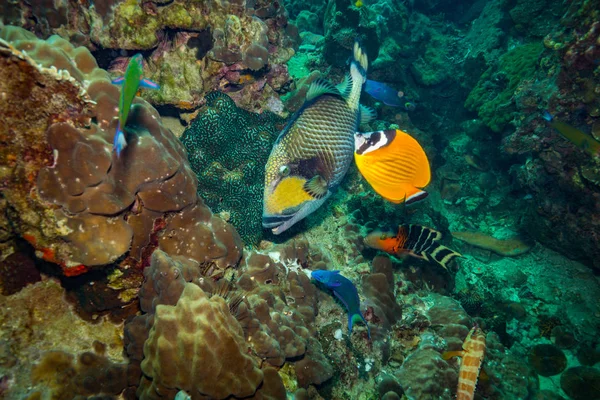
point(415, 240)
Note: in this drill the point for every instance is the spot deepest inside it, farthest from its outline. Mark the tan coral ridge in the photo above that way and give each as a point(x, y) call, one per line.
point(67, 193)
point(198, 346)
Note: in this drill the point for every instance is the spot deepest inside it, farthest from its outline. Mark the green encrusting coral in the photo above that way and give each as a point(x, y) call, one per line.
point(492, 97)
point(227, 149)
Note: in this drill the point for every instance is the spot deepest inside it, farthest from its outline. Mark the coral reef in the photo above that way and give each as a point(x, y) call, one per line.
point(188, 43)
point(75, 203)
point(228, 148)
point(133, 238)
point(38, 320)
point(493, 96)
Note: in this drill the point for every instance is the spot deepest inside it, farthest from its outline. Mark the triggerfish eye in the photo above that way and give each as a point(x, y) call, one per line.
point(284, 170)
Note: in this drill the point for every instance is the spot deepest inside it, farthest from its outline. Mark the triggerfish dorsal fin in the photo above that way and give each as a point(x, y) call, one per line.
point(394, 164)
point(321, 87)
point(345, 87)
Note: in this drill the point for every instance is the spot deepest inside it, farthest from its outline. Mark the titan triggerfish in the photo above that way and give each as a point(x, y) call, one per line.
point(314, 151)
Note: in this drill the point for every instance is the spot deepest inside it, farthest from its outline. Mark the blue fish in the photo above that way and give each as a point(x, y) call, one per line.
point(131, 82)
point(387, 95)
point(344, 290)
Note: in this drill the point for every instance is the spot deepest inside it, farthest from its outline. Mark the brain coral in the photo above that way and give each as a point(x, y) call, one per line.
point(189, 344)
point(227, 149)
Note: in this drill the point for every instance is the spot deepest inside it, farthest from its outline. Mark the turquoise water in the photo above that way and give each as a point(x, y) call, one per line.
point(459, 229)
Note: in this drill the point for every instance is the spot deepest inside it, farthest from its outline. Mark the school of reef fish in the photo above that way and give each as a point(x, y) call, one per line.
point(264, 199)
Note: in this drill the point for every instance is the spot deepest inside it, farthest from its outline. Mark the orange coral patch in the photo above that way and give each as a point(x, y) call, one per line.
point(74, 271)
point(30, 238)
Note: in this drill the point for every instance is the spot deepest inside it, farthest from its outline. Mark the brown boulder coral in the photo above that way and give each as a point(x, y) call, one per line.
point(204, 328)
point(76, 203)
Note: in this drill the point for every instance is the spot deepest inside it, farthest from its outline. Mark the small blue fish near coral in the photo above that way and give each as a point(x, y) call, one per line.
point(388, 95)
point(131, 82)
point(344, 290)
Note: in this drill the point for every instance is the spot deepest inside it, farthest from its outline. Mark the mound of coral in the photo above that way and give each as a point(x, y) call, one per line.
point(69, 196)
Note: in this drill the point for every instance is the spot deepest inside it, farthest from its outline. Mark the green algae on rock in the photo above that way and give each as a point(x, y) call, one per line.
point(492, 97)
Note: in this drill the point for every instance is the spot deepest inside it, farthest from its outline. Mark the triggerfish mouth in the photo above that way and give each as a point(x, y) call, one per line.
point(131, 82)
point(415, 240)
point(314, 151)
point(345, 291)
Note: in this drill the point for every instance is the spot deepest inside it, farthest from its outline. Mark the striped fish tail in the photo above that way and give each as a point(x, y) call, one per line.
point(442, 254)
point(354, 83)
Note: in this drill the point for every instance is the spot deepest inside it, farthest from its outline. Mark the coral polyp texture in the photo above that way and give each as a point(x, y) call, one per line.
point(228, 147)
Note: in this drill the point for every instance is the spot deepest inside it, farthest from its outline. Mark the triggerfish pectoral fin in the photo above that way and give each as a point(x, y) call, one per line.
point(394, 164)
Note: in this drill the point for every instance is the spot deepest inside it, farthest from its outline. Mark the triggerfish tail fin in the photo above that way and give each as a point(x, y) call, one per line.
point(547, 116)
point(357, 317)
point(118, 81)
point(394, 164)
point(148, 84)
point(119, 142)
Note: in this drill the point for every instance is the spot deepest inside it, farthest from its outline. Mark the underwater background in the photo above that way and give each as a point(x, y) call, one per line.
point(134, 261)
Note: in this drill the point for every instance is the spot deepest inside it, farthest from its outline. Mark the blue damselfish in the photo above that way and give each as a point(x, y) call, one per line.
point(344, 289)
